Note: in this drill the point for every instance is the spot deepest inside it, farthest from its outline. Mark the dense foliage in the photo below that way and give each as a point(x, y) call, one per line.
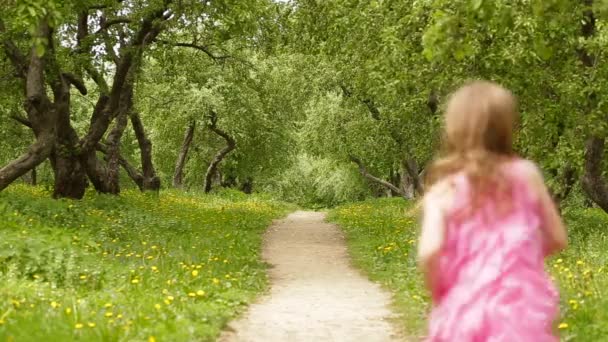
point(240, 94)
point(168, 267)
point(382, 236)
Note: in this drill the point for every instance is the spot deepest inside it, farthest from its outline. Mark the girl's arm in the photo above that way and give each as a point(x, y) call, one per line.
point(554, 232)
point(433, 231)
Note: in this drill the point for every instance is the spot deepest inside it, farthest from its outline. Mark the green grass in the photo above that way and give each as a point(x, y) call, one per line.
point(382, 240)
point(139, 267)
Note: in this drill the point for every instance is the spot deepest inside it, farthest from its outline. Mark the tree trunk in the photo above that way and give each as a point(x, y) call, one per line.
point(230, 145)
point(30, 177)
point(371, 177)
point(247, 186)
point(406, 183)
point(568, 180)
point(178, 176)
point(150, 179)
point(36, 154)
point(115, 136)
point(593, 183)
point(411, 166)
point(132, 172)
point(70, 175)
point(40, 111)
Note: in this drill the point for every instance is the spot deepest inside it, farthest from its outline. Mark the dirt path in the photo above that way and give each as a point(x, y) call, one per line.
point(315, 295)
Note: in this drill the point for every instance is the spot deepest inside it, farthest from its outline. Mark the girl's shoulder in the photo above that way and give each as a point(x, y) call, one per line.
point(441, 194)
point(526, 169)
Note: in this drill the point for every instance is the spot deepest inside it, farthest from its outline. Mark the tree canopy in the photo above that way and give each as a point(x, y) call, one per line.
point(316, 101)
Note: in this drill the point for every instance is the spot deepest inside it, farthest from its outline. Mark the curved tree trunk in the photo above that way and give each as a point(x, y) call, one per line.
point(35, 155)
point(150, 179)
point(230, 146)
point(178, 176)
point(366, 174)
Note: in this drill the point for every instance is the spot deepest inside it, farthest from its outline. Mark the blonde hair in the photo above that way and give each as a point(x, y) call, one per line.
point(478, 136)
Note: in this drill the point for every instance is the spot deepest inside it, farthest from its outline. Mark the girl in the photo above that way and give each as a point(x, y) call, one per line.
point(488, 223)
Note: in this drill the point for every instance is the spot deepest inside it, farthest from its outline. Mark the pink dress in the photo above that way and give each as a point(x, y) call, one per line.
point(492, 283)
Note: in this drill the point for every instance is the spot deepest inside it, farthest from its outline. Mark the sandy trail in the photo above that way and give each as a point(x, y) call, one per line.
point(315, 293)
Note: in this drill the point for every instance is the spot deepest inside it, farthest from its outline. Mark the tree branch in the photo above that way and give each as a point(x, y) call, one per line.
point(98, 7)
point(202, 48)
point(100, 121)
point(76, 82)
point(22, 120)
point(366, 174)
point(106, 24)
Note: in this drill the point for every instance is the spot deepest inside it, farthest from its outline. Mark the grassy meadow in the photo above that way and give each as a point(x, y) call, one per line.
point(172, 266)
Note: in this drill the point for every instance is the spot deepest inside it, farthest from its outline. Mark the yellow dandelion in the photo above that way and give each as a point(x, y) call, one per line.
point(200, 293)
point(170, 298)
point(135, 281)
point(562, 326)
point(55, 304)
point(108, 305)
point(191, 294)
point(78, 325)
point(68, 311)
point(151, 339)
point(215, 281)
point(119, 316)
point(91, 325)
point(157, 306)
point(194, 273)
point(109, 314)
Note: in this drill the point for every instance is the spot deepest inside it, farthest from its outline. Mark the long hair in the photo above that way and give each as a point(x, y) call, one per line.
point(477, 137)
